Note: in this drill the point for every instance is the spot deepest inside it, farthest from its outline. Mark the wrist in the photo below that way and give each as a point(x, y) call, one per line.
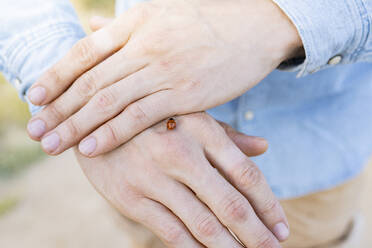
point(254, 23)
point(285, 35)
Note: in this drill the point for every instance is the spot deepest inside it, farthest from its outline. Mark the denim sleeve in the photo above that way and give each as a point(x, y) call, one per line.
point(332, 31)
point(34, 34)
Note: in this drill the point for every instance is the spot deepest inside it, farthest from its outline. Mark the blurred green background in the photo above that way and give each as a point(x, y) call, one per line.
point(17, 151)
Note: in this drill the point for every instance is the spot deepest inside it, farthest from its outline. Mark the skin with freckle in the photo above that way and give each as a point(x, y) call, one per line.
point(188, 53)
point(192, 185)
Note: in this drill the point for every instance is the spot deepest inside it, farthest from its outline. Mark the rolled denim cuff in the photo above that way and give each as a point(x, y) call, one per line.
point(332, 32)
point(34, 35)
point(29, 62)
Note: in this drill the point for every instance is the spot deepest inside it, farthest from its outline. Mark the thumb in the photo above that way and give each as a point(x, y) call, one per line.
point(250, 145)
point(98, 22)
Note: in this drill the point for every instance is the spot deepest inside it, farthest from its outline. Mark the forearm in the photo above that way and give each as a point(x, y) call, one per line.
point(332, 32)
point(37, 33)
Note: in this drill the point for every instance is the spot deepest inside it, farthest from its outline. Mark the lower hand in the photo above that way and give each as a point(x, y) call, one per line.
point(190, 184)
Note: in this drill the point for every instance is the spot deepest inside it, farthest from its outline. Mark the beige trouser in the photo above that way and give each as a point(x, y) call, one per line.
point(321, 220)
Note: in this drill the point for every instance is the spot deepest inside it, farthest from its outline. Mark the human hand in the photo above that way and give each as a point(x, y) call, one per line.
point(160, 59)
point(190, 184)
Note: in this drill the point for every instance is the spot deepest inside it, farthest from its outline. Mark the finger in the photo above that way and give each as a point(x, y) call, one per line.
point(84, 55)
point(87, 86)
point(249, 145)
point(137, 117)
point(132, 203)
point(98, 22)
point(201, 222)
point(102, 107)
point(165, 225)
point(249, 180)
point(228, 204)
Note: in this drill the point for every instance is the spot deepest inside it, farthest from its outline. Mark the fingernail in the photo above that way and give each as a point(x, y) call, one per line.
point(260, 139)
point(36, 128)
point(263, 141)
point(281, 232)
point(37, 95)
point(88, 146)
point(50, 143)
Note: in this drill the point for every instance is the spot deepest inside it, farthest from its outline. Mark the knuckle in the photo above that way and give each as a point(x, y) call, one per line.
point(202, 121)
point(159, 151)
point(143, 10)
point(159, 42)
point(172, 235)
point(126, 193)
point(200, 117)
point(111, 134)
point(227, 128)
point(84, 52)
point(71, 129)
point(190, 86)
point(86, 84)
point(173, 146)
point(236, 208)
point(171, 149)
point(55, 111)
point(166, 65)
point(53, 74)
point(144, 47)
point(105, 101)
point(265, 241)
point(194, 122)
point(269, 207)
point(137, 113)
point(249, 177)
point(207, 226)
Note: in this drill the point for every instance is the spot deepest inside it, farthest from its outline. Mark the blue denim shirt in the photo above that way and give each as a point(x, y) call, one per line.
point(316, 115)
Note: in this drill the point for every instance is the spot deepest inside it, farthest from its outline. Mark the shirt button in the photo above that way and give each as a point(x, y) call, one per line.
point(335, 60)
point(249, 115)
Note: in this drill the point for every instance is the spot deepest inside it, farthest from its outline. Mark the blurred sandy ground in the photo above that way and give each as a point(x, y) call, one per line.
point(58, 208)
point(51, 204)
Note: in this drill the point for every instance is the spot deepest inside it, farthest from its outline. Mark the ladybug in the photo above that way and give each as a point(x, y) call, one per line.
point(171, 124)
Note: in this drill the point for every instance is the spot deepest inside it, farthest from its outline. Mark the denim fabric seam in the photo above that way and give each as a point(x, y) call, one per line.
point(354, 46)
point(306, 38)
point(18, 43)
point(351, 45)
point(366, 25)
point(14, 50)
point(22, 46)
point(2, 62)
point(24, 89)
point(20, 51)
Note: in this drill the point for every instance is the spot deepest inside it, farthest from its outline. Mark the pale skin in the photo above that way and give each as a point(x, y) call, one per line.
point(190, 184)
point(158, 60)
point(162, 59)
point(190, 229)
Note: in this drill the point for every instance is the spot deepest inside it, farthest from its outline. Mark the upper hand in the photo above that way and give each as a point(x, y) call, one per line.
point(159, 59)
point(190, 184)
